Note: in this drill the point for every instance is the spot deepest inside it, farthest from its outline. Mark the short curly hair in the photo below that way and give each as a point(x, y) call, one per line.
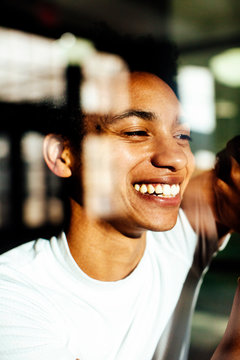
point(143, 53)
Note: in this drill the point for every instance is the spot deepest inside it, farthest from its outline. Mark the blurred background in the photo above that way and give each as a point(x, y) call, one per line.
point(40, 47)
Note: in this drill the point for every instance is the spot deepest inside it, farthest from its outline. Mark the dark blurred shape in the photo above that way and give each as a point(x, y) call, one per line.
point(141, 53)
point(229, 347)
point(223, 164)
point(47, 14)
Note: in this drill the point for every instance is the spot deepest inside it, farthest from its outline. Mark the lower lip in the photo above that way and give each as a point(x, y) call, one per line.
point(161, 201)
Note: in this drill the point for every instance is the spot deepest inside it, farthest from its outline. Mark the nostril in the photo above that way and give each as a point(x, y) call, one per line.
point(171, 168)
point(171, 159)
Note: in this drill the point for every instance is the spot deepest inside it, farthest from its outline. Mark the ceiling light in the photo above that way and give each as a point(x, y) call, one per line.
point(226, 67)
point(204, 159)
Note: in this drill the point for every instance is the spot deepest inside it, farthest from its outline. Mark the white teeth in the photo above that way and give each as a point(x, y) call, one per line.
point(143, 189)
point(137, 187)
point(166, 190)
point(160, 189)
point(174, 190)
point(150, 189)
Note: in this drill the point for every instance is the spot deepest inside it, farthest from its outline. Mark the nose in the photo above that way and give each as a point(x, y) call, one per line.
point(168, 154)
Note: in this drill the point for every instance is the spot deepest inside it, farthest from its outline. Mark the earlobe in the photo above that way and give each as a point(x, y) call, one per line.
point(56, 156)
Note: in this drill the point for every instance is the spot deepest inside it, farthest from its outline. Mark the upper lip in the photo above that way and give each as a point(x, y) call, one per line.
point(161, 180)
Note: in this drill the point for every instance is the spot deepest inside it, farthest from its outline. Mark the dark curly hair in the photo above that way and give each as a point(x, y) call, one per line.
point(144, 54)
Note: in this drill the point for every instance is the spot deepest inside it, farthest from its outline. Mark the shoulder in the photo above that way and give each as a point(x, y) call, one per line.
point(20, 269)
point(34, 273)
point(23, 284)
point(24, 269)
point(24, 256)
point(32, 321)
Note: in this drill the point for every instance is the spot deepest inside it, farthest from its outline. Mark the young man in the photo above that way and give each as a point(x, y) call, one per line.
point(121, 285)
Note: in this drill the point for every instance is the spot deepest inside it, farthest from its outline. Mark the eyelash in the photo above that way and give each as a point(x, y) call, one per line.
point(136, 133)
point(143, 133)
point(184, 137)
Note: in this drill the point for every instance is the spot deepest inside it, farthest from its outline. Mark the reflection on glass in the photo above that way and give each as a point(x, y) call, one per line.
point(4, 180)
point(34, 213)
point(31, 67)
point(41, 204)
point(55, 210)
point(98, 174)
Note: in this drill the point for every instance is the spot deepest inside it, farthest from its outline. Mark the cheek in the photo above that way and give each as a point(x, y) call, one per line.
point(126, 158)
point(124, 167)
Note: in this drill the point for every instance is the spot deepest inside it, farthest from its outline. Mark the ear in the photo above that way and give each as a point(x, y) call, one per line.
point(57, 156)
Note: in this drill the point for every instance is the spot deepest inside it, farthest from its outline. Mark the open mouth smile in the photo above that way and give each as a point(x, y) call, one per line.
point(160, 190)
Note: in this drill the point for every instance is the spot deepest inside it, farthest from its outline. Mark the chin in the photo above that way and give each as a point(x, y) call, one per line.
point(161, 222)
point(135, 226)
point(160, 228)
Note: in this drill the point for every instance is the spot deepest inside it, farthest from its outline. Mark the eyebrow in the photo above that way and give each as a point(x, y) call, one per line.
point(145, 115)
point(141, 114)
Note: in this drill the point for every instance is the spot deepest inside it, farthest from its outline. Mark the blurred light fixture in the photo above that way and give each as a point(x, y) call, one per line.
point(5, 181)
point(74, 50)
point(4, 147)
point(226, 67)
point(197, 96)
point(204, 159)
point(226, 109)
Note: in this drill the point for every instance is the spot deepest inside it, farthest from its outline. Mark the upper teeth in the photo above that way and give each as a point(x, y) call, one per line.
point(159, 189)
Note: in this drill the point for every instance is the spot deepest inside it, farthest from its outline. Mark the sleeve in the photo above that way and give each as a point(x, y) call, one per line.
point(28, 331)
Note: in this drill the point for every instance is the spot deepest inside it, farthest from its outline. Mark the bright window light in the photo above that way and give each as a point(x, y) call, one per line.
point(31, 67)
point(196, 91)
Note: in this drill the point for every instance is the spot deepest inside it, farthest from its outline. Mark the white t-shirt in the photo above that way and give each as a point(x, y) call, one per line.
point(51, 310)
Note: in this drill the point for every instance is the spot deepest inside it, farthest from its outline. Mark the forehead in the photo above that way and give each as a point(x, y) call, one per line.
point(140, 95)
point(148, 93)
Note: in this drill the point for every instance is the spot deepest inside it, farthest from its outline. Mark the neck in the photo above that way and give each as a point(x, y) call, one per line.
point(100, 250)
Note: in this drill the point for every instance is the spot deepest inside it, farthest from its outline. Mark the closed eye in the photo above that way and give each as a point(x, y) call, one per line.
point(184, 137)
point(136, 133)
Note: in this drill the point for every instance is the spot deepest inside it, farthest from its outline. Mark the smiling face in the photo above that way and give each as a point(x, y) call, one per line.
point(152, 160)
